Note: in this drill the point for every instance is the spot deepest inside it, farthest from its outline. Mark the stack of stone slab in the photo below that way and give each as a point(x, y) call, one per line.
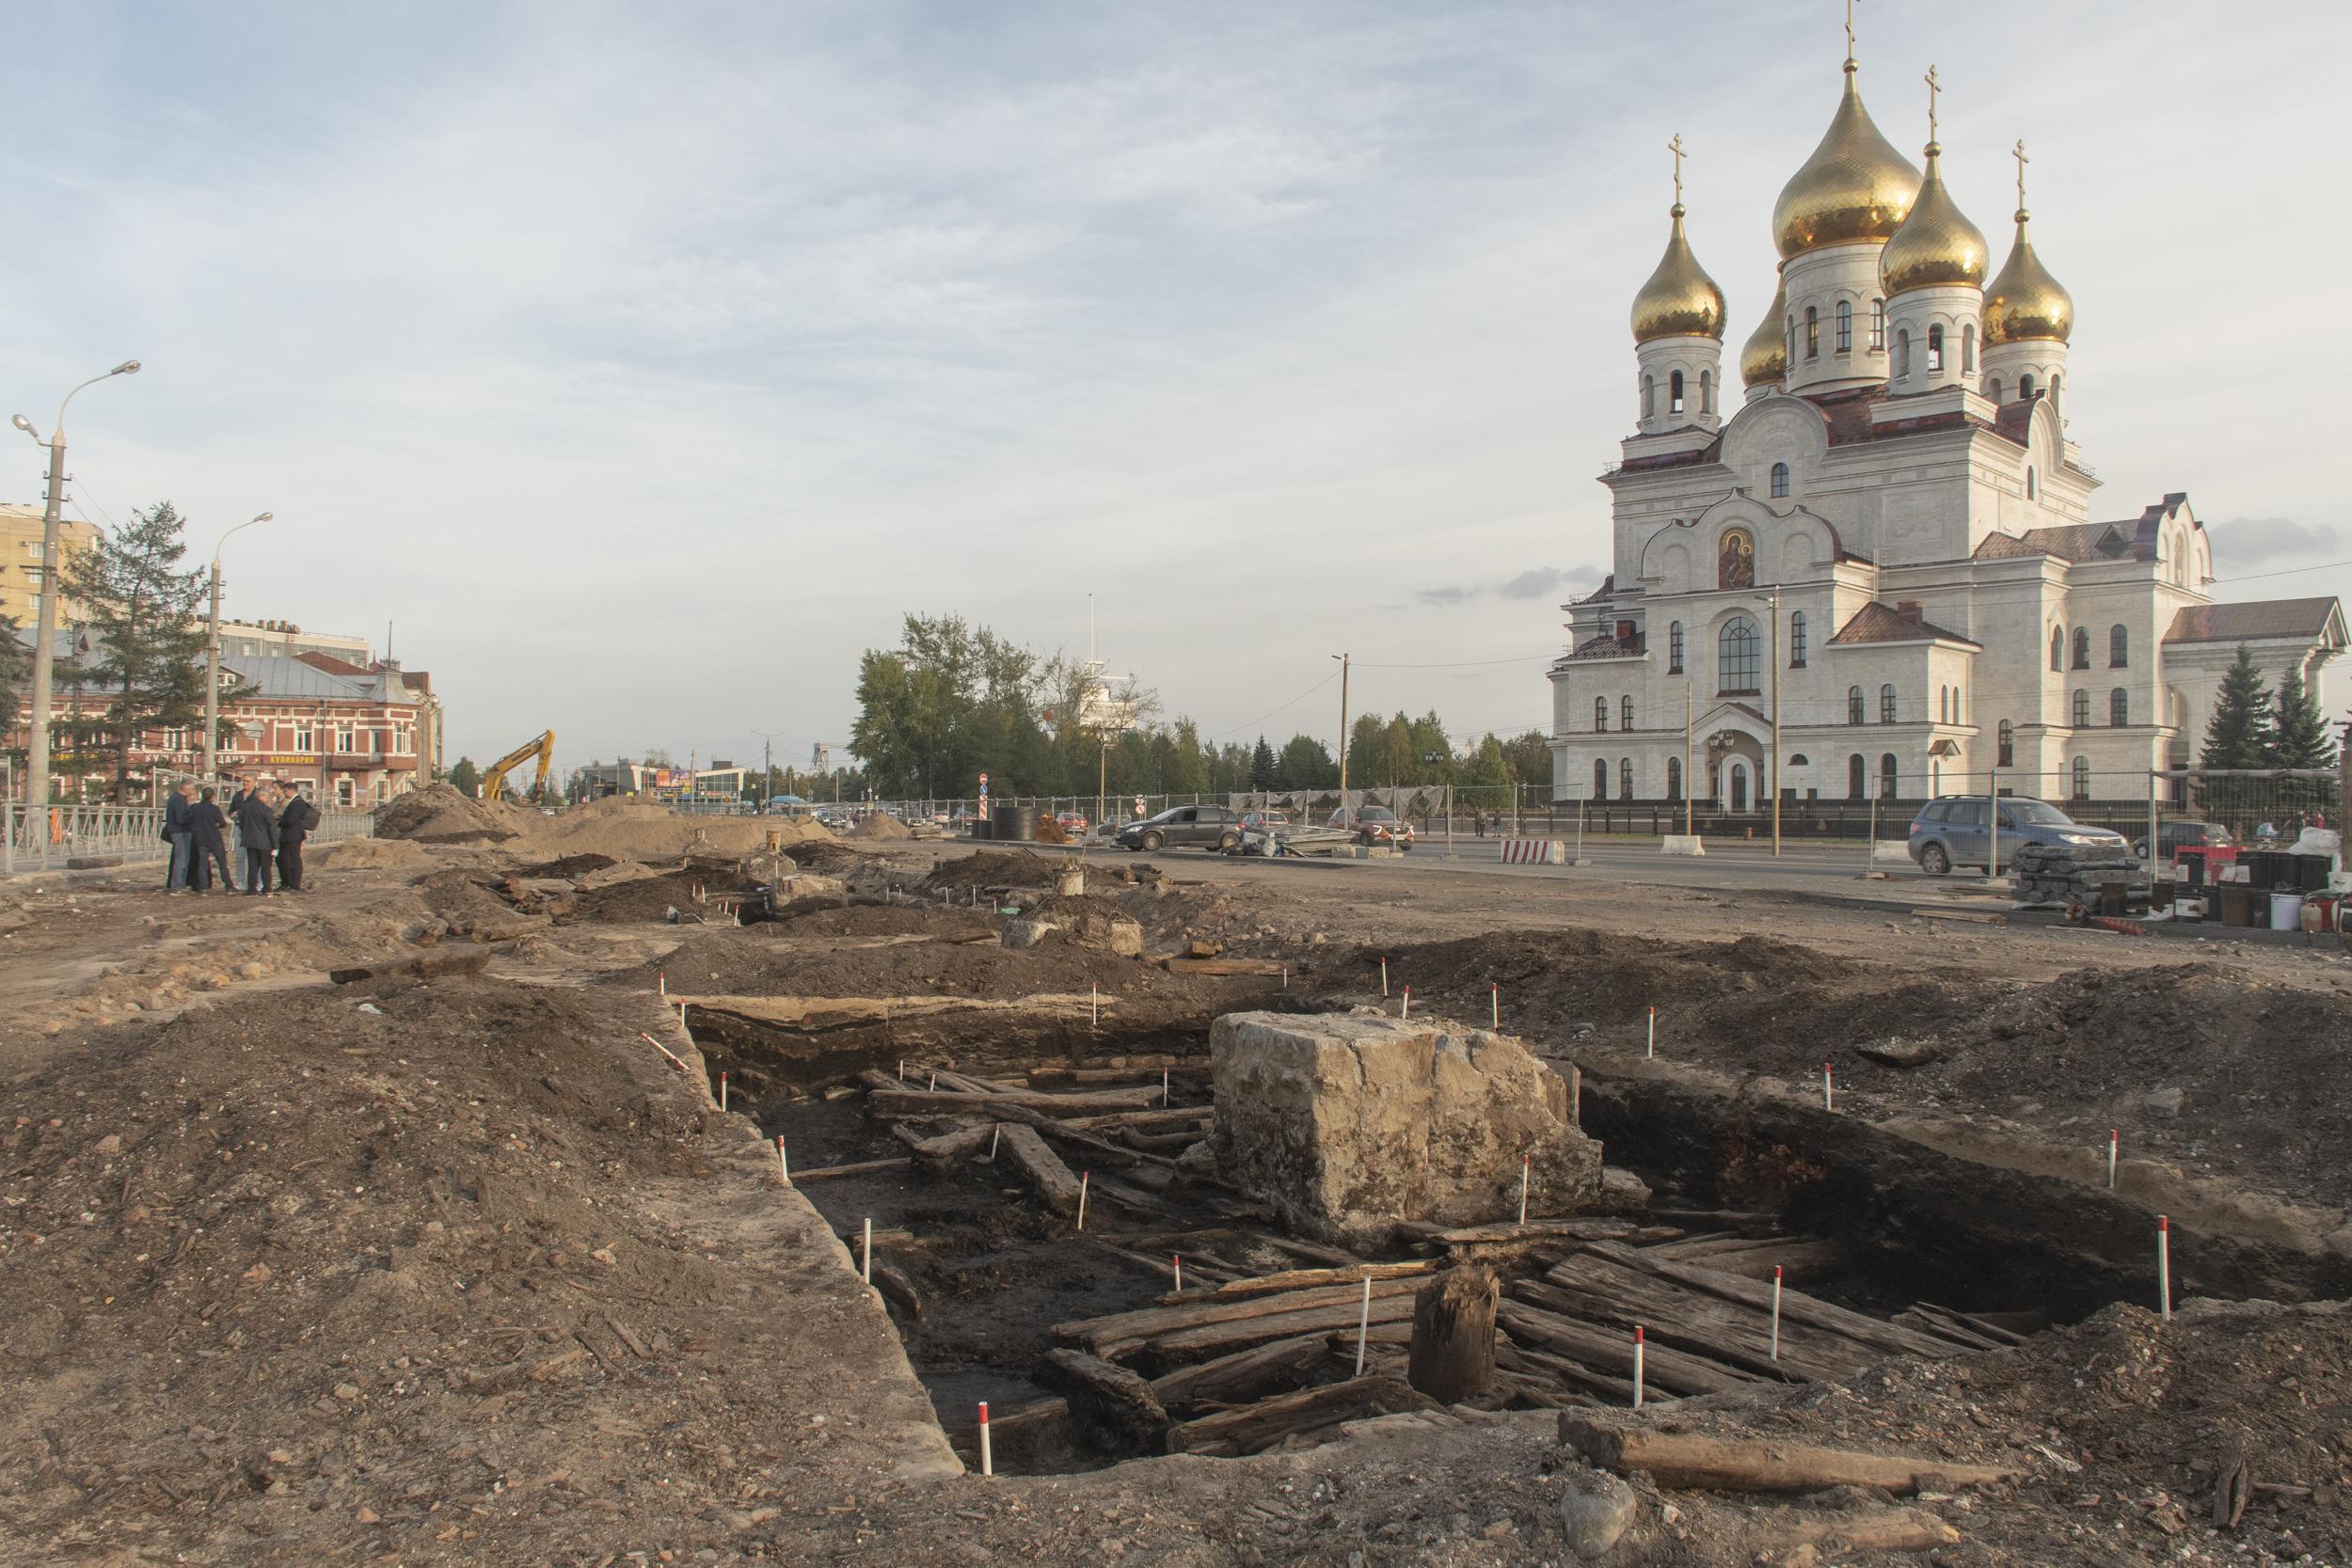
point(2077, 874)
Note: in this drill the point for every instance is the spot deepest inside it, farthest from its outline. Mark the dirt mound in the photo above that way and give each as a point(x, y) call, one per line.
point(646, 898)
point(462, 899)
point(885, 920)
point(437, 814)
point(880, 823)
point(373, 854)
point(988, 868)
point(567, 866)
point(640, 829)
point(1050, 831)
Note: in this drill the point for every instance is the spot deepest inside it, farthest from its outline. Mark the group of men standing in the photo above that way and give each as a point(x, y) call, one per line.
point(270, 825)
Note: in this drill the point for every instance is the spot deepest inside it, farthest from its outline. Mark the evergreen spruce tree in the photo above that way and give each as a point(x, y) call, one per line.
point(2300, 741)
point(1262, 766)
point(16, 670)
point(147, 640)
point(2242, 732)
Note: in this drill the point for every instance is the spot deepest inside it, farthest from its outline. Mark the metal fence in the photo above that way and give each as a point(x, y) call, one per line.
point(36, 840)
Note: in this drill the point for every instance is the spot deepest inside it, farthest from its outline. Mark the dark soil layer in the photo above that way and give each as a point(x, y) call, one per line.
point(652, 898)
point(995, 868)
point(882, 920)
point(570, 865)
point(460, 896)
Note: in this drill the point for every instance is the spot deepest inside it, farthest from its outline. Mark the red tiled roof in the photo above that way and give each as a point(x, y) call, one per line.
point(2256, 620)
point(1607, 590)
point(1882, 623)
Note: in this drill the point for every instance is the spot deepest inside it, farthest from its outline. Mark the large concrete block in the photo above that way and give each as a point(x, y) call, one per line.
point(1349, 1124)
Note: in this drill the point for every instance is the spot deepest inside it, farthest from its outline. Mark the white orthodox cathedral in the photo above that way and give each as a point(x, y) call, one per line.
point(1891, 551)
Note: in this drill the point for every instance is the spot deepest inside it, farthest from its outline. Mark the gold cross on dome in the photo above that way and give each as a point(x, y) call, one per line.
point(2019, 154)
point(1675, 147)
point(1934, 87)
point(1849, 32)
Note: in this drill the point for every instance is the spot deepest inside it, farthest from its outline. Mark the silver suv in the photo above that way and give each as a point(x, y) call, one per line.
point(1957, 830)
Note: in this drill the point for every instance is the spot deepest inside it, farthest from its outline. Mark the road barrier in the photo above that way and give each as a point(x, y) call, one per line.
point(1535, 851)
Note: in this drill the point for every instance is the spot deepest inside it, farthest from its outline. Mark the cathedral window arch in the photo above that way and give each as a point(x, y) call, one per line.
point(1780, 480)
point(1796, 639)
point(1739, 663)
point(1625, 712)
point(1878, 327)
point(1600, 716)
point(2119, 648)
point(1993, 390)
point(2033, 489)
point(2082, 648)
point(2006, 756)
point(1650, 396)
point(1674, 648)
point(1935, 350)
point(2058, 648)
point(2082, 778)
point(1673, 393)
point(1601, 777)
point(1706, 392)
point(2119, 708)
point(1889, 776)
point(1625, 778)
point(2056, 381)
point(1854, 706)
point(2081, 712)
point(1903, 353)
point(1845, 326)
point(2024, 387)
point(1857, 777)
point(1968, 349)
point(1673, 778)
point(1886, 704)
point(1812, 333)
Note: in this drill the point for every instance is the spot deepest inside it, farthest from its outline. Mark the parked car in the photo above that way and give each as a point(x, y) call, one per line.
point(1210, 827)
point(1374, 825)
point(1072, 822)
point(2173, 837)
point(1957, 831)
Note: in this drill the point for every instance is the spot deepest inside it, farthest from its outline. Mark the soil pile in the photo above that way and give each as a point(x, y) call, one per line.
point(988, 868)
point(437, 814)
point(885, 920)
point(373, 854)
point(462, 900)
point(653, 897)
point(639, 829)
point(880, 823)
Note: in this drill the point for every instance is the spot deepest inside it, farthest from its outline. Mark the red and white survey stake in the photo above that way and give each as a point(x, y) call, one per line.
point(987, 1461)
point(2115, 1139)
point(1651, 1048)
point(1409, 1003)
point(1523, 1165)
point(1384, 976)
point(1829, 1090)
point(782, 1164)
point(675, 1060)
point(2164, 1265)
point(1363, 1326)
point(722, 1089)
point(866, 1267)
point(1085, 1178)
point(1637, 1366)
point(662, 984)
point(1776, 1311)
point(1494, 1003)
point(995, 1133)
point(1178, 1259)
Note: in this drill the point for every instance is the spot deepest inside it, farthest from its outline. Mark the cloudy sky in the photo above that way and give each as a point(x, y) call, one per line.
point(642, 365)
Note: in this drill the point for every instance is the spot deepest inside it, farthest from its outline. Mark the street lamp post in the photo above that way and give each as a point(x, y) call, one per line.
point(212, 659)
point(45, 622)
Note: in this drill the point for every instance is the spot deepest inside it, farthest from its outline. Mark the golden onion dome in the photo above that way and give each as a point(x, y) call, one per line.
point(1855, 186)
point(1936, 244)
point(2024, 301)
point(1764, 360)
point(1679, 300)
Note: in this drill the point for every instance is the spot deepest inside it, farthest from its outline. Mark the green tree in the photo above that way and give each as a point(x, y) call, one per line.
point(1363, 750)
point(1530, 757)
point(1262, 766)
point(2243, 732)
point(1487, 768)
point(1305, 763)
point(1399, 764)
point(465, 778)
point(1429, 738)
point(148, 644)
point(1188, 763)
point(2299, 733)
point(16, 670)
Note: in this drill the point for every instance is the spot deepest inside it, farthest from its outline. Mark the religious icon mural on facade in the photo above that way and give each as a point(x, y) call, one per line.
point(1736, 566)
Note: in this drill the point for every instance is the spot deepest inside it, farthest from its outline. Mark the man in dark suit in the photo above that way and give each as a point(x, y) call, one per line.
point(256, 829)
point(293, 825)
point(180, 831)
point(207, 829)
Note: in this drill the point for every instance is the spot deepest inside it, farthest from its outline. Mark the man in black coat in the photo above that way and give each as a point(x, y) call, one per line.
point(180, 831)
point(207, 827)
point(256, 829)
point(293, 825)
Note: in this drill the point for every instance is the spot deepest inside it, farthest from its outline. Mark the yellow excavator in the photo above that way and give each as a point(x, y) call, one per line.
point(494, 776)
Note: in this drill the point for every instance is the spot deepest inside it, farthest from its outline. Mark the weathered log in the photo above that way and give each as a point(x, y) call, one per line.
point(1790, 1535)
point(1454, 1336)
point(1579, 1379)
point(861, 1167)
point(441, 961)
point(948, 1148)
point(895, 1286)
point(1300, 1279)
point(1192, 1066)
point(1598, 1290)
point(1392, 1323)
point(1593, 1228)
point(1041, 1167)
point(1107, 1335)
point(1611, 1351)
point(1314, 1252)
point(1160, 1143)
point(1159, 1115)
point(1119, 1408)
point(1268, 969)
point(892, 1102)
point(1259, 1426)
point(1244, 1375)
point(1795, 1305)
point(1680, 1459)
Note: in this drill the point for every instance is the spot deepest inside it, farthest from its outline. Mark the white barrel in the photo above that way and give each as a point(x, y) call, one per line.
point(2286, 912)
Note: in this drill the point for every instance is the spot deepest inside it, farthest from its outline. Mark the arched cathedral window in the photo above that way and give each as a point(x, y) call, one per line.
point(1935, 350)
point(1673, 393)
point(1780, 480)
point(1812, 333)
point(1845, 326)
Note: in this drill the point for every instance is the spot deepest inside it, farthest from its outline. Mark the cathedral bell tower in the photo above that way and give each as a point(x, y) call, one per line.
point(1678, 335)
point(1932, 271)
